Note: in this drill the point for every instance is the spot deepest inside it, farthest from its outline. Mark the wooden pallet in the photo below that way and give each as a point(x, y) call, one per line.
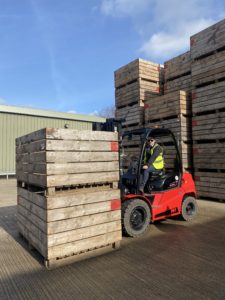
point(210, 184)
point(138, 68)
point(208, 69)
point(208, 40)
point(68, 196)
point(209, 126)
point(178, 66)
point(182, 83)
point(207, 98)
point(176, 103)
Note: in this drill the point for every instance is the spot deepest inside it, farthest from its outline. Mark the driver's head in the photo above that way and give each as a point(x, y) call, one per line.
point(151, 141)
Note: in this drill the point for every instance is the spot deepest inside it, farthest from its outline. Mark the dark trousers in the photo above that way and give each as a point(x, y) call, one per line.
point(146, 175)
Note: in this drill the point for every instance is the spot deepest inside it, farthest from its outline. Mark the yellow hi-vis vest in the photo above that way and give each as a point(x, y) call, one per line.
point(158, 164)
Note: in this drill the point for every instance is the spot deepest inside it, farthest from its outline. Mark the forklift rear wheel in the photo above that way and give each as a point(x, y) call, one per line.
point(136, 217)
point(189, 208)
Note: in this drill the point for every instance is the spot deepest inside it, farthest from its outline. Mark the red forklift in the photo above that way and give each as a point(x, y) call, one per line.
point(168, 193)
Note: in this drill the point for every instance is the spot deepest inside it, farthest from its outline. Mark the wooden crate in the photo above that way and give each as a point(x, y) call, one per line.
point(181, 83)
point(210, 185)
point(133, 115)
point(208, 98)
point(209, 155)
point(178, 66)
point(169, 105)
point(179, 125)
point(68, 196)
point(135, 93)
point(53, 157)
point(208, 69)
point(208, 126)
point(136, 69)
point(208, 40)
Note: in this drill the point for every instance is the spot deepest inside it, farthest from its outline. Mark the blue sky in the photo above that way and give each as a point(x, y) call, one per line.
point(61, 55)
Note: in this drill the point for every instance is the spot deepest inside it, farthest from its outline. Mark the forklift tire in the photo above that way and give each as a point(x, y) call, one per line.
point(189, 208)
point(136, 217)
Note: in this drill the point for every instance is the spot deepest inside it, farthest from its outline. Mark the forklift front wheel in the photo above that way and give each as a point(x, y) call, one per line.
point(189, 208)
point(136, 217)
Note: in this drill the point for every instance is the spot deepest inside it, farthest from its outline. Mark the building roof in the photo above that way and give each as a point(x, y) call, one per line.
point(49, 114)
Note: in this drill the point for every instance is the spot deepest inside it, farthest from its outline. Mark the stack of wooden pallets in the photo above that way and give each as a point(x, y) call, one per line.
point(68, 196)
point(173, 111)
point(134, 83)
point(178, 73)
point(208, 105)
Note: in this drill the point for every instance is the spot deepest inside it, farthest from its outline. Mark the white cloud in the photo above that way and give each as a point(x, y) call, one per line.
point(164, 44)
point(120, 8)
point(165, 26)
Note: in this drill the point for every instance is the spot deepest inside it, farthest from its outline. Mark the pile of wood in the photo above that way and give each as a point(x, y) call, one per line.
point(135, 83)
point(192, 106)
point(208, 106)
point(68, 198)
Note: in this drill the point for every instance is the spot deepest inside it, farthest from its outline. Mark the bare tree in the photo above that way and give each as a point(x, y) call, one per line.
point(107, 112)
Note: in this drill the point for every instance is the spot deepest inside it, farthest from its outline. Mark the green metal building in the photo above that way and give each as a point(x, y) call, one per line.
point(18, 121)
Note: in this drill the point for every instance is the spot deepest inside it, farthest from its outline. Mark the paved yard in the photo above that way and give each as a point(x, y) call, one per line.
point(173, 260)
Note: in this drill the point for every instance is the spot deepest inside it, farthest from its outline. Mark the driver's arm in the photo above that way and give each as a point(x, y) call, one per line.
point(154, 155)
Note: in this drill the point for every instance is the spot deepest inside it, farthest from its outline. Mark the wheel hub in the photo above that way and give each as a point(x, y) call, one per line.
point(190, 208)
point(137, 218)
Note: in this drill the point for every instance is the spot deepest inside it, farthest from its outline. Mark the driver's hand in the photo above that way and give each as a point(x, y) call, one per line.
point(145, 167)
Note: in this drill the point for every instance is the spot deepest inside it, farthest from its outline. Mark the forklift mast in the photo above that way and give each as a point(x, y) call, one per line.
point(111, 124)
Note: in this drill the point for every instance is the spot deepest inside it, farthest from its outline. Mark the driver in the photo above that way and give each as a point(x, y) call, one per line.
point(153, 160)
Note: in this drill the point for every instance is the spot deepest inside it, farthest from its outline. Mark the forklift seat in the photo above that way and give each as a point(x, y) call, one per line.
point(157, 174)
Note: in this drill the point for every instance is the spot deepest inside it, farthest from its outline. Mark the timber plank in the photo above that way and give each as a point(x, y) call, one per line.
point(182, 83)
point(64, 145)
point(67, 168)
point(69, 224)
point(68, 236)
point(85, 244)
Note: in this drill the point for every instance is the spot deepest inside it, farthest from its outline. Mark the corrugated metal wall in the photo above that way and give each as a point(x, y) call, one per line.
point(15, 125)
